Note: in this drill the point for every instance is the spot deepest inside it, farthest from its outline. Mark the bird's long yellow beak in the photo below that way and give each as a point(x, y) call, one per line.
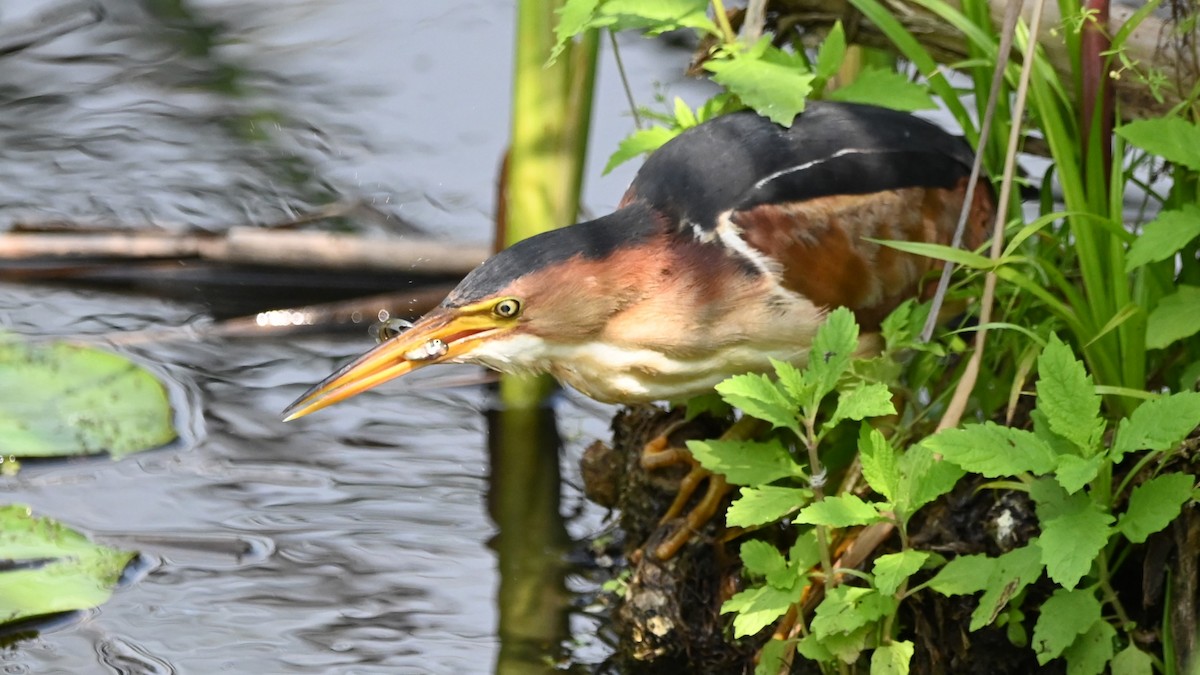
point(442, 336)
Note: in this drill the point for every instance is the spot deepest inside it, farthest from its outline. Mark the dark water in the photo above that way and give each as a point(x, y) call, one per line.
point(380, 536)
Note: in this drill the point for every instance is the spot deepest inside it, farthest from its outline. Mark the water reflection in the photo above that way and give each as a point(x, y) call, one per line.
point(356, 540)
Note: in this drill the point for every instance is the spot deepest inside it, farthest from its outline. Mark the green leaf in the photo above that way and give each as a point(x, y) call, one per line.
point(880, 465)
point(767, 79)
point(957, 256)
point(1067, 396)
point(1074, 472)
point(1092, 650)
point(892, 659)
point(993, 450)
point(832, 348)
point(745, 462)
point(1064, 616)
point(887, 88)
point(795, 385)
point(806, 552)
point(575, 16)
point(896, 329)
point(765, 504)
point(684, 116)
point(893, 569)
point(1132, 661)
point(638, 143)
point(964, 575)
point(1013, 572)
point(759, 397)
point(52, 568)
point(1176, 317)
point(656, 17)
point(924, 478)
point(710, 403)
point(848, 608)
point(863, 401)
point(1164, 236)
point(1154, 504)
point(760, 606)
point(839, 511)
point(773, 657)
point(1074, 530)
point(1158, 425)
point(59, 399)
point(1171, 138)
point(831, 52)
point(761, 558)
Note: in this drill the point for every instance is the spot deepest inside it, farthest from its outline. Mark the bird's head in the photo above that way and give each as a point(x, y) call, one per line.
point(509, 314)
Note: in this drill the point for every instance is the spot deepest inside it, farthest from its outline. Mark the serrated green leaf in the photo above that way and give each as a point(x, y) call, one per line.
point(1074, 472)
point(993, 450)
point(896, 328)
point(923, 478)
point(638, 143)
point(1074, 530)
point(1013, 572)
point(806, 552)
point(847, 608)
point(964, 575)
point(1132, 661)
point(1176, 317)
point(51, 568)
point(765, 504)
point(863, 401)
point(574, 17)
point(1067, 396)
point(887, 88)
point(1164, 236)
point(848, 647)
point(745, 462)
point(831, 52)
point(656, 17)
point(795, 385)
point(684, 116)
point(761, 558)
point(1154, 504)
point(832, 348)
point(1091, 651)
point(1064, 616)
point(880, 465)
point(1172, 138)
point(813, 648)
point(892, 659)
point(759, 607)
point(839, 511)
point(893, 569)
point(766, 79)
point(759, 397)
point(1158, 425)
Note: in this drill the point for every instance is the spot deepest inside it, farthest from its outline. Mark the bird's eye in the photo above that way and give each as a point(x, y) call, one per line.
point(507, 308)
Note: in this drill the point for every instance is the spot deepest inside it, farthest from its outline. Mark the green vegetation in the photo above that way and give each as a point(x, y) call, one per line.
point(1085, 399)
point(59, 399)
point(51, 568)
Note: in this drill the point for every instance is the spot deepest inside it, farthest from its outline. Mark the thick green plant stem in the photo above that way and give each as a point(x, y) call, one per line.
point(552, 109)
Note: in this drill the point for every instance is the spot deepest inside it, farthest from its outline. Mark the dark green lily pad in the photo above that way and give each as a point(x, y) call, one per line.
point(59, 399)
point(47, 568)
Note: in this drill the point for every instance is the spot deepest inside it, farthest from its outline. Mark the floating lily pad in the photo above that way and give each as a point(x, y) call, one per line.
point(59, 399)
point(47, 568)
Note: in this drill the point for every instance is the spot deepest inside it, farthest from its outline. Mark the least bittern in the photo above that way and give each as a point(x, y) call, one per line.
point(733, 241)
